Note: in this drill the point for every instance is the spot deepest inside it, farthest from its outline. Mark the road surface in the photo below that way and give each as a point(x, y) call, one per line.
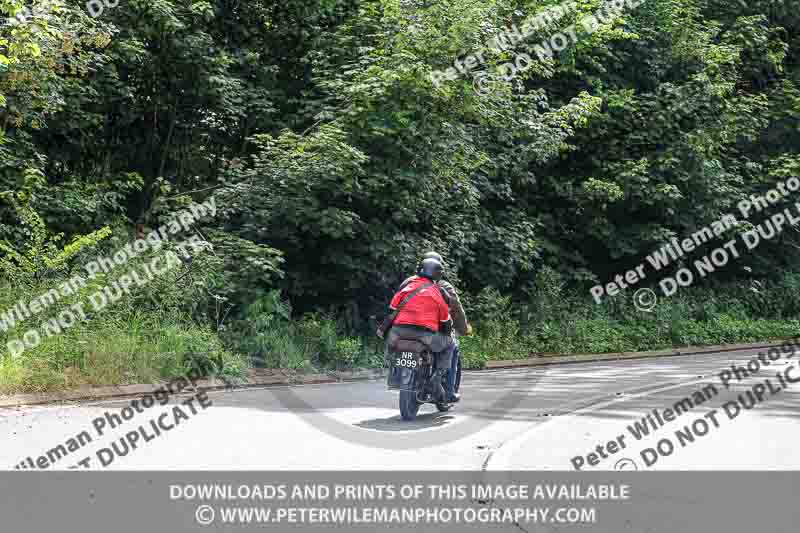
point(553, 418)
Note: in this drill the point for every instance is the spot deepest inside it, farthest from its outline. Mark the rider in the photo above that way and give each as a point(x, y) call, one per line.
point(426, 318)
point(460, 324)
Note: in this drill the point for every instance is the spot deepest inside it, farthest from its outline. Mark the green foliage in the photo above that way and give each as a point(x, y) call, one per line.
point(497, 330)
point(134, 347)
point(348, 350)
point(39, 253)
point(697, 316)
point(335, 161)
point(268, 334)
point(475, 354)
point(230, 274)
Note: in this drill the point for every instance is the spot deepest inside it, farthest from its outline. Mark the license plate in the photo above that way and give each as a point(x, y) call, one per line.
point(406, 360)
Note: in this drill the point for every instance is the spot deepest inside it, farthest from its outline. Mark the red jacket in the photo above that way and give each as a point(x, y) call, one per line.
point(427, 308)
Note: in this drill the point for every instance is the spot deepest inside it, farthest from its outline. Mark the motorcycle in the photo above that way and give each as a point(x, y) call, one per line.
point(411, 369)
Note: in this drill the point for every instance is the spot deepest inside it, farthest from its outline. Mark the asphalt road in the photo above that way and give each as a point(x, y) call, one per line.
point(551, 418)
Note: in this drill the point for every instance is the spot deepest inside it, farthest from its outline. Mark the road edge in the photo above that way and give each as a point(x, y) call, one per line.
point(548, 359)
point(287, 378)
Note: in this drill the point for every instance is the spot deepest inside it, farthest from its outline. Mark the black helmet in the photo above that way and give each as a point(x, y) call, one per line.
point(431, 268)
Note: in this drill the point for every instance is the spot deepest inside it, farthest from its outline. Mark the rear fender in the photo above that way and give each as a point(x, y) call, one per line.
point(401, 378)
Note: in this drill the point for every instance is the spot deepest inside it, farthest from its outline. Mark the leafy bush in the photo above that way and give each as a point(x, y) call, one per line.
point(38, 251)
point(147, 335)
point(474, 354)
point(137, 348)
point(348, 351)
point(273, 339)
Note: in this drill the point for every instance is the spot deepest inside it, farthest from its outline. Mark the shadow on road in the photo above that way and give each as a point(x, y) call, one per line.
point(395, 423)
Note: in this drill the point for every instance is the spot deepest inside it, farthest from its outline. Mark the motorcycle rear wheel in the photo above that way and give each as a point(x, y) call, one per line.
point(409, 406)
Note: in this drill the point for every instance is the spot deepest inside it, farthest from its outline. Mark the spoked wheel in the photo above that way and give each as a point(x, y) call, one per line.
point(409, 406)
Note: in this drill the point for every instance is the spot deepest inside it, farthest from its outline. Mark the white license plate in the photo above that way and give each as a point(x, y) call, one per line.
point(406, 360)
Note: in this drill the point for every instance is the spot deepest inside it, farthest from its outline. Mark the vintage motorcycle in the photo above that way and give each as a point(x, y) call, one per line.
point(411, 369)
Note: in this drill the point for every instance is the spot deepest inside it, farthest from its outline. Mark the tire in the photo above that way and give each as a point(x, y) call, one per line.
point(409, 406)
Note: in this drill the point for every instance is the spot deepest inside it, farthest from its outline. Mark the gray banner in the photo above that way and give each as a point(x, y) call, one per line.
point(159, 502)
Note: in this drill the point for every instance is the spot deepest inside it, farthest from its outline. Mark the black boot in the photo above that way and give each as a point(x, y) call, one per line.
point(438, 390)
